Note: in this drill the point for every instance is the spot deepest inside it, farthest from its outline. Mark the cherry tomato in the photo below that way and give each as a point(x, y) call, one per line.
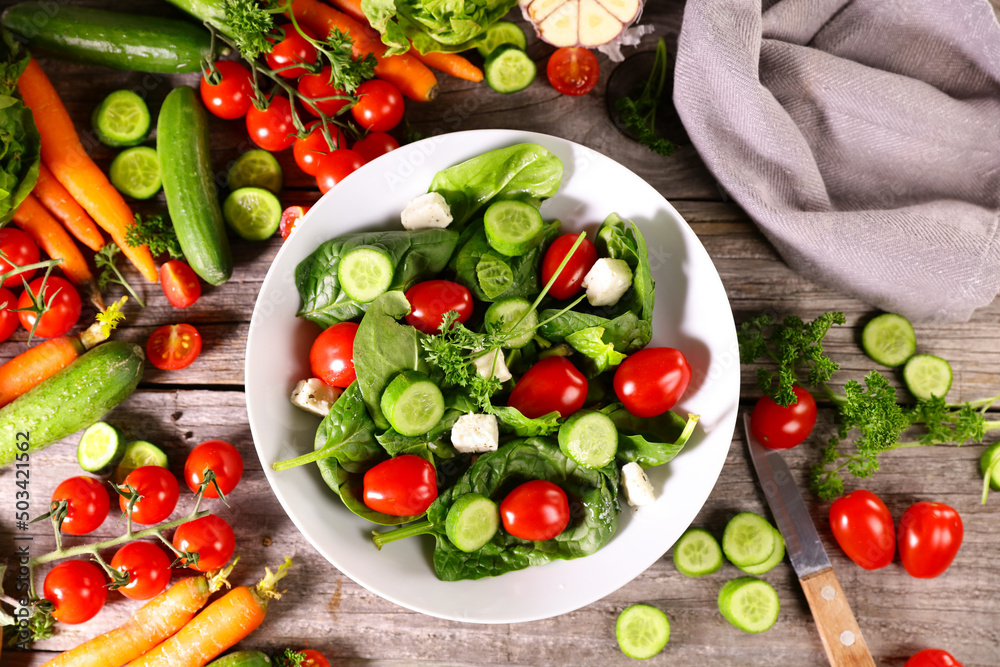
point(294, 48)
point(651, 381)
point(310, 150)
point(573, 70)
point(77, 589)
point(64, 306)
point(331, 357)
point(537, 510)
point(148, 569)
point(272, 129)
point(87, 504)
point(376, 144)
point(219, 456)
point(402, 486)
point(335, 167)
point(778, 427)
point(173, 346)
point(159, 490)
point(929, 537)
point(431, 299)
point(16, 249)
point(289, 218)
point(233, 95)
point(932, 657)
point(180, 283)
point(316, 87)
point(379, 107)
point(570, 280)
point(863, 528)
point(8, 316)
point(311, 658)
point(210, 537)
point(552, 384)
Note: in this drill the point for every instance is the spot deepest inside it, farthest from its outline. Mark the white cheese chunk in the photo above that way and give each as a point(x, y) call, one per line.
point(607, 281)
point(638, 490)
point(315, 396)
point(474, 434)
point(426, 212)
point(485, 365)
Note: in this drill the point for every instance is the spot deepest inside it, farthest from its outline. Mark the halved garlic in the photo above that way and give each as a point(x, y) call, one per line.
point(587, 23)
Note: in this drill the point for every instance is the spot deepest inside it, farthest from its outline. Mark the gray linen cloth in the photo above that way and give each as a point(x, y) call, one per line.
point(862, 137)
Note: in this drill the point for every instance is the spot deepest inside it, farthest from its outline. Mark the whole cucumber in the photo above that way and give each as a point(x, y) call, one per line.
point(186, 170)
point(212, 12)
point(242, 659)
point(111, 39)
point(70, 400)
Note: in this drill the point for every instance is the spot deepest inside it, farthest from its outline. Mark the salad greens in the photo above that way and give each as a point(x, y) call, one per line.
point(491, 276)
point(433, 25)
point(20, 145)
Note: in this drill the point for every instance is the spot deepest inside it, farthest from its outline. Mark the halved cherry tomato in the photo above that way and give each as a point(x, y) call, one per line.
point(311, 658)
point(87, 504)
point(379, 107)
point(16, 249)
point(552, 384)
point(210, 537)
point(180, 283)
point(570, 279)
point(8, 316)
point(314, 147)
point(405, 485)
point(376, 144)
point(159, 490)
point(148, 568)
point(222, 458)
point(932, 657)
point(930, 535)
point(863, 528)
point(778, 427)
point(431, 299)
point(64, 306)
point(573, 70)
point(289, 218)
point(173, 346)
point(651, 381)
point(335, 167)
point(77, 589)
point(536, 510)
point(292, 49)
point(272, 128)
point(331, 356)
point(318, 86)
point(232, 96)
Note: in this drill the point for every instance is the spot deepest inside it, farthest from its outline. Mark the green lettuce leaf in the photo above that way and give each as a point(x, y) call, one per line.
point(20, 145)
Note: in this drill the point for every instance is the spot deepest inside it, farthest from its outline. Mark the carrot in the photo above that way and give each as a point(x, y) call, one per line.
point(70, 164)
point(223, 623)
point(411, 76)
point(54, 197)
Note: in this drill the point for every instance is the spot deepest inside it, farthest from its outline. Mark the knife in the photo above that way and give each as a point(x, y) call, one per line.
point(842, 639)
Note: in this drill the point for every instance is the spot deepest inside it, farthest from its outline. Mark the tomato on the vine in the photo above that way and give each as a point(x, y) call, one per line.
point(932, 657)
point(536, 510)
point(180, 283)
point(312, 148)
point(570, 279)
point(210, 537)
point(17, 249)
point(863, 528)
point(553, 384)
point(291, 50)
point(652, 380)
point(431, 299)
point(929, 537)
point(779, 427)
point(405, 485)
point(173, 346)
point(379, 107)
point(375, 144)
point(148, 568)
point(311, 658)
point(8, 316)
point(289, 218)
point(573, 70)
point(331, 357)
point(63, 303)
point(317, 87)
point(233, 95)
point(222, 458)
point(87, 504)
point(335, 167)
point(272, 128)
point(77, 589)
point(159, 490)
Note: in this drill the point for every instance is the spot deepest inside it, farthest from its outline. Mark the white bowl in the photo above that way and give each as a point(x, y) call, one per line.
point(692, 313)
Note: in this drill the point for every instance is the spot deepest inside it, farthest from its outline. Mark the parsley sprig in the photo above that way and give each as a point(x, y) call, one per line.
point(639, 113)
point(155, 232)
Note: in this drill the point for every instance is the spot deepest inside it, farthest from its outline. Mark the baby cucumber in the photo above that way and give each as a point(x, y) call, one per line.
point(72, 399)
point(889, 339)
point(242, 659)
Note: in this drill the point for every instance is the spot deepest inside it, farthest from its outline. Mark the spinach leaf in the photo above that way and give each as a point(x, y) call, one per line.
point(20, 145)
point(649, 442)
point(493, 275)
point(525, 270)
point(512, 421)
point(590, 344)
point(626, 332)
point(620, 241)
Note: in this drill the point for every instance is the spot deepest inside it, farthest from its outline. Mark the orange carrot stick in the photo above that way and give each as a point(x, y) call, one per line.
point(450, 63)
point(352, 8)
point(411, 76)
point(70, 164)
point(54, 197)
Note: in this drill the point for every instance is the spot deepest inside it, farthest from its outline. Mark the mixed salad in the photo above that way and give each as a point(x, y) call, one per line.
point(485, 379)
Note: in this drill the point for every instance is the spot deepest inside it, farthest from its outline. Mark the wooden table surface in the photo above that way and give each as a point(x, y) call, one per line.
point(352, 626)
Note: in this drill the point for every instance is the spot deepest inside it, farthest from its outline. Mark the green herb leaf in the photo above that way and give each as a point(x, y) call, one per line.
point(155, 232)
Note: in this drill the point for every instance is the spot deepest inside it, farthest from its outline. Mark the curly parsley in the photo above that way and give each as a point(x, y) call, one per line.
point(155, 232)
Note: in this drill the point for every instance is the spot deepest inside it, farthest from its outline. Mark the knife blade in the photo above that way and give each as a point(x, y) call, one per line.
point(843, 642)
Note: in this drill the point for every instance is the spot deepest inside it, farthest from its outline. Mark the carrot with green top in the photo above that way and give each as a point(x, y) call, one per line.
point(61, 204)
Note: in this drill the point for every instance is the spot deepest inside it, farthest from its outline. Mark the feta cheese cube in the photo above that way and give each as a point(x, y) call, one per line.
point(426, 212)
point(315, 396)
point(607, 281)
point(485, 365)
point(638, 490)
point(474, 434)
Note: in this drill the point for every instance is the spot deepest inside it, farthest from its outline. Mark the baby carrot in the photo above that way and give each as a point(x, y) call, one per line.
point(54, 197)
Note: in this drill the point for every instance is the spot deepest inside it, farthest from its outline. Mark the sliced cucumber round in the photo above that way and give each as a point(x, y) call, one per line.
point(509, 69)
point(513, 227)
point(253, 213)
point(777, 556)
point(590, 438)
point(889, 339)
point(365, 273)
point(927, 376)
point(472, 522)
point(505, 316)
point(139, 453)
point(697, 553)
point(100, 447)
point(748, 540)
point(255, 169)
point(642, 631)
point(122, 119)
point(412, 403)
point(989, 463)
point(750, 604)
point(135, 172)
point(500, 33)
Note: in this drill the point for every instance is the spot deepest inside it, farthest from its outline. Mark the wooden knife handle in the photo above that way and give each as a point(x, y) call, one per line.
point(842, 639)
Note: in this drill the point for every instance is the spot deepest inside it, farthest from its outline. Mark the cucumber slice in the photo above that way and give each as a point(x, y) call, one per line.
point(697, 553)
point(509, 69)
point(590, 438)
point(642, 631)
point(255, 169)
point(748, 540)
point(472, 521)
point(927, 376)
point(100, 447)
point(513, 227)
point(412, 403)
point(504, 315)
point(139, 453)
point(122, 119)
point(991, 459)
point(500, 33)
point(253, 213)
point(365, 273)
point(135, 172)
point(889, 339)
point(777, 556)
point(749, 603)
